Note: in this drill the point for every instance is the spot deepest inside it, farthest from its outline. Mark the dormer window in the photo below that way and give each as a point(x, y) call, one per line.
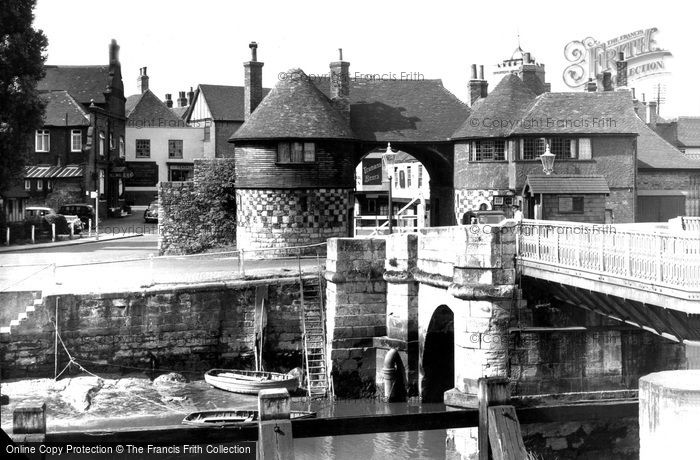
point(296, 152)
point(488, 150)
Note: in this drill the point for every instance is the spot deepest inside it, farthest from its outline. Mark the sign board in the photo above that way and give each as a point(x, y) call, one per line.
point(589, 58)
point(145, 174)
point(372, 171)
point(93, 195)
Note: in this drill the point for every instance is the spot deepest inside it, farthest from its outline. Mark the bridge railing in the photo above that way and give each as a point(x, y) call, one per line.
point(659, 258)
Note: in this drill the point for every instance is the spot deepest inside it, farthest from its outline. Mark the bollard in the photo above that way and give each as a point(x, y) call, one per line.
point(72, 227)
point(275, 439)
point(29, 420)
point(53, 232)
point(7, 236)
point(89, 226)
point(33, 235)
point(493, 391)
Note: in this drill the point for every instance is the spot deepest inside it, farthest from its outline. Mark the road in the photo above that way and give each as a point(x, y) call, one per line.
point(126, 264)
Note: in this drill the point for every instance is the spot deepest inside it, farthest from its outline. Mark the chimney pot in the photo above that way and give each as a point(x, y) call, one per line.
point(169, 100)
point(473, 71)
point(481, 72)
point(190, 96)
point(253, 51)
point(253, 91)
point(526, 58)
point(182, 100)
point(340, 54)
point(607, 81)
point(591, 86)
point(142, 81)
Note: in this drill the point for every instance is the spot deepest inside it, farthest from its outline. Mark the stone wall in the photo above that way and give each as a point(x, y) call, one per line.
point(201, 214)
point(186, 329)
point(280, 218)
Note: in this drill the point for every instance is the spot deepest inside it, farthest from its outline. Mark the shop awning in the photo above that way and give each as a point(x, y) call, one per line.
point(536, 184)
point(53, 172)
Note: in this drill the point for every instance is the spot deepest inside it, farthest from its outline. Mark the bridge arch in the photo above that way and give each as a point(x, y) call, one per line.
point(437, 357)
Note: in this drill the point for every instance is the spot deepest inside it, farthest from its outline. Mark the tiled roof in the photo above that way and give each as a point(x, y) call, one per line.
point(566, 183)
point(512, 109)
point(149, 109)
point(689, 131)
point(295, 108)
point(653, 152)
point(493, 115)
point(226, 103)
point(84, 83)
point(53, 172)
point(63, 110)
point(131, 103)
point(179, 112)
point(401, 110)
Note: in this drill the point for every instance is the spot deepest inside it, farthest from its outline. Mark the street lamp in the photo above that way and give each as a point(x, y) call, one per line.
point(388, 165)
point(547, 159)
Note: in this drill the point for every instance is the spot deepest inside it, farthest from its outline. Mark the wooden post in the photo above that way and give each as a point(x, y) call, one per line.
point(241, 268)
point(275, 441)
point(33, 234)
point(29, 419)
point(505, 435)
point(53, 232)
point(55, 344)
point(72, 230)
point(7, 236)
point(493, 391)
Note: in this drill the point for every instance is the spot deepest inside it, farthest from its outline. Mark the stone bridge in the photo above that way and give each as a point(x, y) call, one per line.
point(464, 302)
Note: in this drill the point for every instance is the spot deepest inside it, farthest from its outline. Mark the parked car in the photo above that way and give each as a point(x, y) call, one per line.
point(42, 217)
point(83, 211)
point(35, 214)
point(151, 212)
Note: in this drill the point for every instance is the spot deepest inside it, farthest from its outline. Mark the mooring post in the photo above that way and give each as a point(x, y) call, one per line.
point(275, 441)
point(29, 421)
point(493, 391)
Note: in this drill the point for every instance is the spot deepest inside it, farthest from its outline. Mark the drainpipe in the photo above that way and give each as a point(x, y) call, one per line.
point(390, 370)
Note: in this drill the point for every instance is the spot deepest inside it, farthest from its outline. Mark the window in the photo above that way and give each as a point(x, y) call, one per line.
point(207, 132)
point(571, 204)
point(122, 147)
point(39, 184)
point(420, 176)
point(408, 176)
point(143, 148)
point(402, 179)
point(49, 185)
point(175, 148)
point(102, 182)
point(396, 177)
point(27, 184)
point(296, 152)
point(562, 147)
point(102, 143)
point(180, 173)
point(76, 140)
point(532, 148)
point(42, 140)
point(584, 149)
point(489, 150)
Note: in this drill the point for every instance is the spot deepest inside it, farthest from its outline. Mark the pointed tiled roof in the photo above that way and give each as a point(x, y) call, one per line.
point(63, 110)
point(148, 109)
point(689, 131)
point(395, 110)
point(653, 152)
point(492, 117)
point(226, 103)
point(295, 108)
point(83, 82)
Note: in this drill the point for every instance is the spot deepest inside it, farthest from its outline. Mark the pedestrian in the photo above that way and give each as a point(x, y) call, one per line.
point(517, 214)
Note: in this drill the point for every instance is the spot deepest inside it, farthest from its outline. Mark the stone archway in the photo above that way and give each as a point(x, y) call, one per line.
point(438, 356)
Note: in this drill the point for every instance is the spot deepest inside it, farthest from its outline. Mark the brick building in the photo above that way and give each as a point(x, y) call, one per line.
point(81, 146)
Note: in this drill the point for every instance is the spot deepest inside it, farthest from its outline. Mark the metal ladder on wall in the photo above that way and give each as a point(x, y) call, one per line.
point(313, 321)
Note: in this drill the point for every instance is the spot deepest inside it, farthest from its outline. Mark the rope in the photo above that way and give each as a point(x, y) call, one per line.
point(26, 278)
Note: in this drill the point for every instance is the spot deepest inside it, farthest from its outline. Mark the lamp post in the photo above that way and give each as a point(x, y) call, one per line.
point(388, 164)
point(547, 159)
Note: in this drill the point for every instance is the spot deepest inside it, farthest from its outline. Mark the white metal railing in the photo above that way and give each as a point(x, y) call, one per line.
point(405, 223)
point(691, 224)
point(660, 258)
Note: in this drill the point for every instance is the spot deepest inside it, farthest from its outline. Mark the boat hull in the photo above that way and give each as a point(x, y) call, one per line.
point(234, 417)
point(249, 382)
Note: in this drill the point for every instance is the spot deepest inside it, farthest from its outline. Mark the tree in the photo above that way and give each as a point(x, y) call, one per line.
point(21, 66)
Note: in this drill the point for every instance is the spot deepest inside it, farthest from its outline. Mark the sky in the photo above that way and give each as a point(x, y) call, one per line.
point(185, 43)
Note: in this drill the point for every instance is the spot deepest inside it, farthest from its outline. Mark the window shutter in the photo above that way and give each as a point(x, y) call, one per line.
point(584, 152)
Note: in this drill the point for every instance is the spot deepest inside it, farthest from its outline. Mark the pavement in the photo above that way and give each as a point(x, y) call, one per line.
point(127, 261)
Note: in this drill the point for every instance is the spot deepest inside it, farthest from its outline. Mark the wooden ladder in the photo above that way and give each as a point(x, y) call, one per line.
point(314, 334)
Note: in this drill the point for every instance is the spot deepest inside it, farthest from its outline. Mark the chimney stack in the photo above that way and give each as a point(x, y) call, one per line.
point(190, 96)
point(142, 81)
point(607, 81)
point(621, 77)
point(591, 86)
point(182, 100)
point(113, 52)
point(169, 100)
point(478, 87)
point(253, 92)
point(340, 85)
point(652, 113)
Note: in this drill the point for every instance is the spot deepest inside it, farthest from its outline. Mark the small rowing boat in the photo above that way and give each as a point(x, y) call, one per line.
point(234, 417)
point(249, 382)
